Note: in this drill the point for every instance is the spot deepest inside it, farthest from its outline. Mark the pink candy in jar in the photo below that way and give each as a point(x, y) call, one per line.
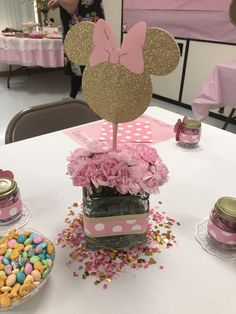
point(188, 132)
point(10, 201)
point(222, 222)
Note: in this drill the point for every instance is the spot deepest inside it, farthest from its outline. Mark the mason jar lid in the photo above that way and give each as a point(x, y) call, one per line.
point(191, 123)
point(226, 207)
point(7, 187)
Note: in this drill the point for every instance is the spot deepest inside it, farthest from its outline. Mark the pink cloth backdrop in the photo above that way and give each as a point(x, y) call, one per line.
point(218, 91)
point(32, 52)
point(205, 25)
point(207, 5)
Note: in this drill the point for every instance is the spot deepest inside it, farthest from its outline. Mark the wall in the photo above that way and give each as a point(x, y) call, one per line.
point(113, 9)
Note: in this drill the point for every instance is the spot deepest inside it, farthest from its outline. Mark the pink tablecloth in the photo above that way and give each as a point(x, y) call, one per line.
point(212, 5)
point(218, 91)
point(31, 52)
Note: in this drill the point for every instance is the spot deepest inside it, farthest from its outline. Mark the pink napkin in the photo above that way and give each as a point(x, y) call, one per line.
point(145, 129)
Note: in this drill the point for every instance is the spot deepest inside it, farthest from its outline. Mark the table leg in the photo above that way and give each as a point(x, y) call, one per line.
point(13, 71)
point(228, 119)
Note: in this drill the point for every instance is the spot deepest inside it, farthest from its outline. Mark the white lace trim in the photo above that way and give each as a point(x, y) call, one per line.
point(211, 246)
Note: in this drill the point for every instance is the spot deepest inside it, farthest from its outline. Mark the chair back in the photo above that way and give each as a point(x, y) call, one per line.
point(42, 119)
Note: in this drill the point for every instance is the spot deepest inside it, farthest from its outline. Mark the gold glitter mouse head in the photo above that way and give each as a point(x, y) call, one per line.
point(232, 12)
point(117, 81)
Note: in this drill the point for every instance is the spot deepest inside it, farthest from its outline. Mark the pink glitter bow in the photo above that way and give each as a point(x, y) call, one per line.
point(178, 127)
point(6, 174)
point(129, 55)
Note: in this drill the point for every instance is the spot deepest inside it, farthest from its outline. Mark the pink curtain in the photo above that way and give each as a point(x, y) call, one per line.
point(202, 5)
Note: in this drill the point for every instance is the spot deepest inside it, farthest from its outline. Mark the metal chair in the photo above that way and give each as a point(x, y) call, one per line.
point(42, 119)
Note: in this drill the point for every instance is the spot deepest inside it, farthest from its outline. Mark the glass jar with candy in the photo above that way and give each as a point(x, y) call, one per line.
point(188, 132)
point(222, 222)
point(10, 201)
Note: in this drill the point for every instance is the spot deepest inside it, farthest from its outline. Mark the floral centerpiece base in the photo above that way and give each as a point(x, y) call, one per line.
point(116, 187)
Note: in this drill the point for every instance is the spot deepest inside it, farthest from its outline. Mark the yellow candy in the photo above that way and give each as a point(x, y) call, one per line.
point(19, 246)
point(26, 288)
point(39, 266)
point(2, 282)
point(5, 289)
point(3, 248)
point(3, 240)
point(29, 278)
point(11, 234)
point(49, 248)
point(14, 291)
point(15, 254)
point(5, 301)
point(1, 266)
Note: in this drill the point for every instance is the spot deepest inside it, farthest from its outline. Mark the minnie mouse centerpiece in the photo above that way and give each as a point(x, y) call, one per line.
point(117, 85)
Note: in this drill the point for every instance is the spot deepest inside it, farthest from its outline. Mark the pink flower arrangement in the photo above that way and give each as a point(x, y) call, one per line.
point(132, 169)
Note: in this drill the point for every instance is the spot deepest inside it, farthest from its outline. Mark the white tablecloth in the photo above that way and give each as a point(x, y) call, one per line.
point(192, 281)
point(31, 52)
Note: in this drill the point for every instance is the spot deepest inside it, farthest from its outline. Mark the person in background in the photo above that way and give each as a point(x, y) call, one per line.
point(72, 12)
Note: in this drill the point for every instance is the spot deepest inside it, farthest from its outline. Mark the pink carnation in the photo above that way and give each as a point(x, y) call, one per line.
point(133, 169)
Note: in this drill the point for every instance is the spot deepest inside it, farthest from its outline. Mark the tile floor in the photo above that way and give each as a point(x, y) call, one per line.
point(51, 86)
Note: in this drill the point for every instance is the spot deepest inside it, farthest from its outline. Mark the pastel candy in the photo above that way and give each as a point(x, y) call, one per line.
point(32, 235)
point(38, 249)
point(21, 238)
point(36, 275)
point(38, 239)
point(28, 247)
point(28, 268)
point(11, 243)
point(11, 279)
point(34, 259)
point(22, 261)
point(20, 277)
point(5, 261)
point(45, 273)
point(28, 241)
point(8, 269)
point(43, 245)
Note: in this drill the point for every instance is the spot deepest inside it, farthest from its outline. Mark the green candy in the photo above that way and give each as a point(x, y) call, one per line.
point(45, 273)
point(31, 252)
point(23, 261)
point(34, 259)
point(24, 254)
point(28, 241)
point(8, 254)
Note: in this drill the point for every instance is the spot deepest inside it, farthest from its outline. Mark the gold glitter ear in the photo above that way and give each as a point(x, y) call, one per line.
point(161, 52)
point(79, 43)
point(232, 12)
point(115, 93)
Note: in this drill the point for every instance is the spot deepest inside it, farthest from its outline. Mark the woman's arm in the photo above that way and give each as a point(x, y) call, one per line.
point(69, 5)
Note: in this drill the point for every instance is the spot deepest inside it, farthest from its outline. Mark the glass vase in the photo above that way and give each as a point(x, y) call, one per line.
point(114, 222)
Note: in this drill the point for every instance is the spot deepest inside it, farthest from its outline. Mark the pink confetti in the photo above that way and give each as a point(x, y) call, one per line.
point(104, 265)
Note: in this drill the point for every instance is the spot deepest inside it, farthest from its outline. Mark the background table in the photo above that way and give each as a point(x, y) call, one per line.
point(218, 91)
point(192, 281)
point(28, 52)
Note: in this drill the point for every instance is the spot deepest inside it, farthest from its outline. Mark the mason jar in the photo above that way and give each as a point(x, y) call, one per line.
point(115, 221)
point(222, 222)
point(10, 201)
point(190, 133)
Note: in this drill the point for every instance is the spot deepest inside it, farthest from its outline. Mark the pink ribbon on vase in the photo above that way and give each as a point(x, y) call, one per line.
point(129, 55)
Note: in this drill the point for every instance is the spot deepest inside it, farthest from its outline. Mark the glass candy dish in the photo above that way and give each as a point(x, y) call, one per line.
point(40, 284)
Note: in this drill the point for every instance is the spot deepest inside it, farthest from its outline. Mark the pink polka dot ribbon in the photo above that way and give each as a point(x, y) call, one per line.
point(10, 211)
point(220, 235)
point(115, 225)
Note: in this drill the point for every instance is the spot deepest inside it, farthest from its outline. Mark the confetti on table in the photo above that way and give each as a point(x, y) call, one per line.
point(104, 265)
